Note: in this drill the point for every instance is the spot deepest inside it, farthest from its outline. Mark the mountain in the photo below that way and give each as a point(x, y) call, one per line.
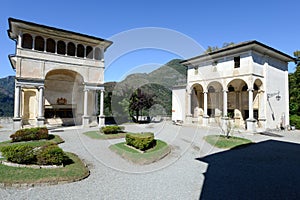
point(7, 88)
point(158, 83)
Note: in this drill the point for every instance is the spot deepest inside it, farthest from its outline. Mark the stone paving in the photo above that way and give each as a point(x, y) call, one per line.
point(177, 176)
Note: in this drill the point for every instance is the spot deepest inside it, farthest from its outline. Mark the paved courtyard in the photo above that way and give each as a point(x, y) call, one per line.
point(184, 174)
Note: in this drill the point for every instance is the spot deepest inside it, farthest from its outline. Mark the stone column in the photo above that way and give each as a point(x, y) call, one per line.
point(225, 103)
point(101, 115)
point(261, 109)
point(205, 115)
point(251, 122)
point(17, 117)
point(85, 117)
point(40, 118)
point(188, 117)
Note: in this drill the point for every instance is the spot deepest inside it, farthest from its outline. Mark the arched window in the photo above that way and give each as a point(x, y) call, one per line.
point(211, 89)
point(61, 47)
point(27, 41)
point(39, 43)
point(230, 88)
point(245, 88)
point(50, 45)
point(255, 87)
point(89, 52)
point(97, 54)
point(80, 50)
point(71, 49)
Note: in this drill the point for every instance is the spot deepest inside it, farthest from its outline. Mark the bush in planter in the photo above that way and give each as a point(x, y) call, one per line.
point(21, 153)
point(295, 121)
point(50, 155)
point(112, 129)
point(142, 141)
point(30, 134)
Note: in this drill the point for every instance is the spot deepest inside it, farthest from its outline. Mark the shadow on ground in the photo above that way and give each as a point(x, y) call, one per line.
point(265, 170)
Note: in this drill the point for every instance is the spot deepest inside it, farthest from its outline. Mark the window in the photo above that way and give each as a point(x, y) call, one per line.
point(39, 43)
point(230, 88)
point(27, 41)
point(50, 45)
point(71, 49)
point(89, 52)
point(61, 47)
point(237, 62)
point(80, 50)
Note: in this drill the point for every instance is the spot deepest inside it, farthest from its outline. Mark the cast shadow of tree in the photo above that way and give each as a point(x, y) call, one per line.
point(265, 170)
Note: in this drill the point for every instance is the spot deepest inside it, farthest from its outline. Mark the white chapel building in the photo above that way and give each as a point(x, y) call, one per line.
point(246, 82)
point(58, 75)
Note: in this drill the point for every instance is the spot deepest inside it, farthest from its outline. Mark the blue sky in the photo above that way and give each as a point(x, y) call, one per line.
point(275, 23)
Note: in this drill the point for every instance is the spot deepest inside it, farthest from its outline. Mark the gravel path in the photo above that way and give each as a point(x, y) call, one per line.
point(177, 176)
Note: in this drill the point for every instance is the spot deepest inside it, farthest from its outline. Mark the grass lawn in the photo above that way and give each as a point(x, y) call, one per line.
point(18, 175)
point(222, 142)
point(101, 136)
point(74, 170)
point(158, 152)
point(53, 139)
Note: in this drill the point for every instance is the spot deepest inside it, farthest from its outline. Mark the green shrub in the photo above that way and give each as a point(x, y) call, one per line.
point(50, 155)
point(30, 134)
point(21, 153)
point(295, 121)
point(112, 129)
point(142, 141)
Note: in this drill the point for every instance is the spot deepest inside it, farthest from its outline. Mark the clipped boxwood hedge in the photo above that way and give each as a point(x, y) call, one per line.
point(28, 134)
point(114, 129)
point(141, 141)
point(21, 153)
point(27, 154)
point(50, 155)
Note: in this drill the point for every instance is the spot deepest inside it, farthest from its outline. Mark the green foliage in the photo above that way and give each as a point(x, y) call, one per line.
point(28, 134)
point(50, 155)
point(7, 96)
point(224, 142)
point(295, 121)
point(21, 154)
point(112, 129)
point(141, 141)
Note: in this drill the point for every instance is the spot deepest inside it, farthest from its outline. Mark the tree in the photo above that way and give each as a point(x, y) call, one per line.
point(215, 48)
point(294, 82)
point(138, 102)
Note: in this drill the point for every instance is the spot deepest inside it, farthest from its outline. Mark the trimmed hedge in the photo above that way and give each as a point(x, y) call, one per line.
point(27, 154)
point(30, 134)
point(21, 154)
point(295, 121)
point(112, 129)
point(141, 141)
point(50, 155)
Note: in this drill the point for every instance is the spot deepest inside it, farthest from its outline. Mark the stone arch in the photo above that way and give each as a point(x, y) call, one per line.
point(27, 41)
point(197, 100)
point(214, 99)
point(97, 53)
point(63, 96)
point(238, 100)
point(29, 108)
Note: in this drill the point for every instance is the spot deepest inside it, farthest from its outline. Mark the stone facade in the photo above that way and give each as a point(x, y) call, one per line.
point(247, 82)
point(58, 75)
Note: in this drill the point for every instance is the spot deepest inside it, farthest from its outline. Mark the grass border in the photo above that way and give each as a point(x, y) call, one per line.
point(220, 141)
point(11, 178)
point(161, 150)
point(102, 136)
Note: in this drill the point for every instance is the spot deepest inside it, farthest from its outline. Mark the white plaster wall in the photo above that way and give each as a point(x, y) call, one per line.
point(178, 104)
point(276, 82)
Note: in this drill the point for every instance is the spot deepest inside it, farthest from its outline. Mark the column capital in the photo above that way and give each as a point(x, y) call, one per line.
point(261, 91)
point(41, 87)
point(250, 89)
point(225, 91)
